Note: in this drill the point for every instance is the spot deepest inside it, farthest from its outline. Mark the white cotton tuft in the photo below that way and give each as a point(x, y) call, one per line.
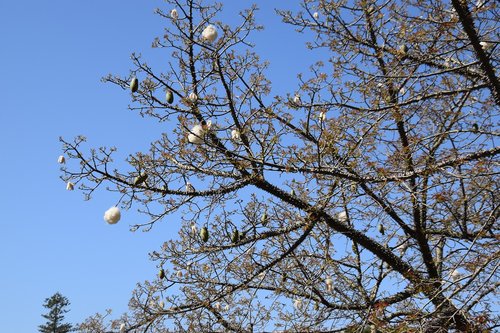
point(122, 328)
point(342, 216)
point(455, 275)
point(217, 306)
point(194, 228)
point(112, 215)
point(192, 97)
point(210, 33)
point(70, 186)
point(297, 100)
point(329, 284)
point(196, 135)
point(61, 159)
point(198, 132)
point(322, 116)
point(316, 15)
point(297, 304)
point(235, 135)
point(173, 14)
point(189, 187)
point(486, 45)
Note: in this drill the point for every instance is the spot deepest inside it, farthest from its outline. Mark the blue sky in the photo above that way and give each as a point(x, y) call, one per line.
point(53, 55)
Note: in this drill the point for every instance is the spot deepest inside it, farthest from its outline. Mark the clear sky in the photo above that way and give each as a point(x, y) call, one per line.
point(53, 55)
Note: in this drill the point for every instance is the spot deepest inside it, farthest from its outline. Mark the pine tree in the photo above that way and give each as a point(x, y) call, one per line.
point(57, 304)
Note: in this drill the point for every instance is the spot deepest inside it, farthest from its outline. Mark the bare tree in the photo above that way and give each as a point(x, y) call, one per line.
point(366, 200)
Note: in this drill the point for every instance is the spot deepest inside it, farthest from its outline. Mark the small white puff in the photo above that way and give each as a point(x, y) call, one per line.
point(329, 284)
point(189, 187)
point(322, 116)
point(210, 33)
point(192, 97)
point(173, 14)
point(486, 45)
point(196, 135)
point(70, 186)
point(112, 215)
point(61, 159)
point(235, 135)
point(297, 100)
point(342, 216)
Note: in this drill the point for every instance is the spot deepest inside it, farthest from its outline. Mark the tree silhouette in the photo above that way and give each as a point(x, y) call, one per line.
point(365, 200)
point(57, 304)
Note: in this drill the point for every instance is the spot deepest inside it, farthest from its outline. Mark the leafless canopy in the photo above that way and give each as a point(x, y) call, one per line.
point(365, 200)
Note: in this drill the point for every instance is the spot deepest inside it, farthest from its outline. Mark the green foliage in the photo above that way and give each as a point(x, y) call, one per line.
point(57, 304)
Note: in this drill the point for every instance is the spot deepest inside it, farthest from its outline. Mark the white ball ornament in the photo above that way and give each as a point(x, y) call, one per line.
point(112, 215)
